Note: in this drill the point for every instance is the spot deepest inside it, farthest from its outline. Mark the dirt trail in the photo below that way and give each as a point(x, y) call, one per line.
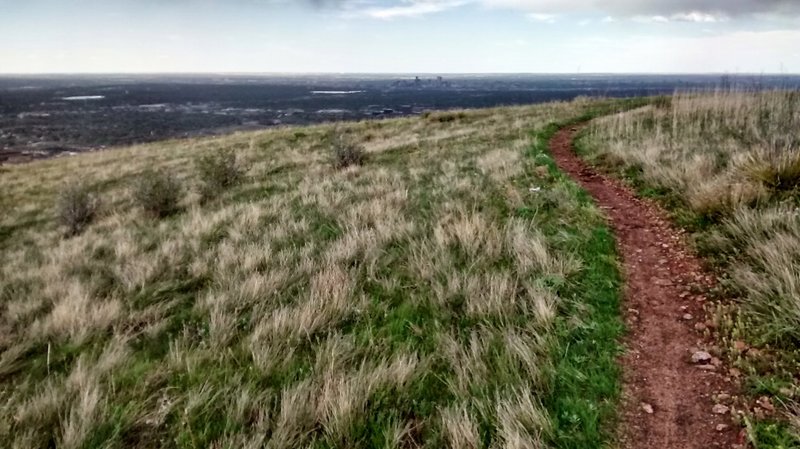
point(667, 400)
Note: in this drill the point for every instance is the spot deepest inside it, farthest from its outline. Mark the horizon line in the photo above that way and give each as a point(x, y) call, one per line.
point(422, 73)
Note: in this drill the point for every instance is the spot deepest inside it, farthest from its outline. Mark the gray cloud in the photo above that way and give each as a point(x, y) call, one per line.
point(623, 8)
point(732, 8)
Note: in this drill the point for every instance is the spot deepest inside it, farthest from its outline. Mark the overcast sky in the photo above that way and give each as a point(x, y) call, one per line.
point(409, 36)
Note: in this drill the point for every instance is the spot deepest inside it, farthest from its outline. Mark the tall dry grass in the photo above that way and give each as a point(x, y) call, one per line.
point(728, 163)
point(733, 159)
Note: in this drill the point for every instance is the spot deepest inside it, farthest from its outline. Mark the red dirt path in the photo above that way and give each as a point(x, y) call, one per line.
point(667, 400)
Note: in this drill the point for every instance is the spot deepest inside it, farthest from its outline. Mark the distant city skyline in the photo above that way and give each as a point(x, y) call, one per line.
point(400, 36)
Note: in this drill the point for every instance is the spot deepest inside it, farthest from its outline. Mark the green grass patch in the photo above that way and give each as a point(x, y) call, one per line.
point(586, 384)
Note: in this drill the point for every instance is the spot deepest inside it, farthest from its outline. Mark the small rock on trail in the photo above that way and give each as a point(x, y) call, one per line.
point(701, 357)
point(720, 409)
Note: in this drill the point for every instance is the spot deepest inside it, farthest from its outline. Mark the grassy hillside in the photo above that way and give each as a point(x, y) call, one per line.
point(728, 166)
point(454, 290)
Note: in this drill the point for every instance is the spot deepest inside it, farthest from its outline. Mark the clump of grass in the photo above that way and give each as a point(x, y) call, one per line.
point(218, 171)
point(718, 198)
point(794, 420)
point(765, 247)
point(77, 208)
point(777, 168)
point(346, 152)
point(158, 193)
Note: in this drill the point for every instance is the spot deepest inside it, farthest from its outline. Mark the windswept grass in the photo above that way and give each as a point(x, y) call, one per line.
point(728, 165)
point(429, 297)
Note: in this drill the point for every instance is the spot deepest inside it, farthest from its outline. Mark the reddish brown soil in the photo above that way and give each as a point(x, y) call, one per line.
point(663, 287)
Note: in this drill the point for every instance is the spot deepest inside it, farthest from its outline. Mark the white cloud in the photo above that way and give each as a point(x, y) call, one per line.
point(539, 17)
point(694, 16)
point(650, 19)
point(699, 17)
point(411, 8)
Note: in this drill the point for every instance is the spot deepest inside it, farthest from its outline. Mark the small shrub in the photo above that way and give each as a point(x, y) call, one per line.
point(662, 102)
point(77, 208)
point(446, 116)
point(218, 171)
point(346, 153)
point(158, 193)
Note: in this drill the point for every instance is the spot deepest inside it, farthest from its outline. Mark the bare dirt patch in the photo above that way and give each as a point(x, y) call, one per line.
point(668, 398)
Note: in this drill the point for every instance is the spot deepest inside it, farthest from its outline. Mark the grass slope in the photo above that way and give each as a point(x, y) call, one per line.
point(453, 291)
point(728, 167)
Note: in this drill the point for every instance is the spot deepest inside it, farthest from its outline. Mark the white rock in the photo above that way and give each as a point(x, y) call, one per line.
point(720, 409)
point(701, 357)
